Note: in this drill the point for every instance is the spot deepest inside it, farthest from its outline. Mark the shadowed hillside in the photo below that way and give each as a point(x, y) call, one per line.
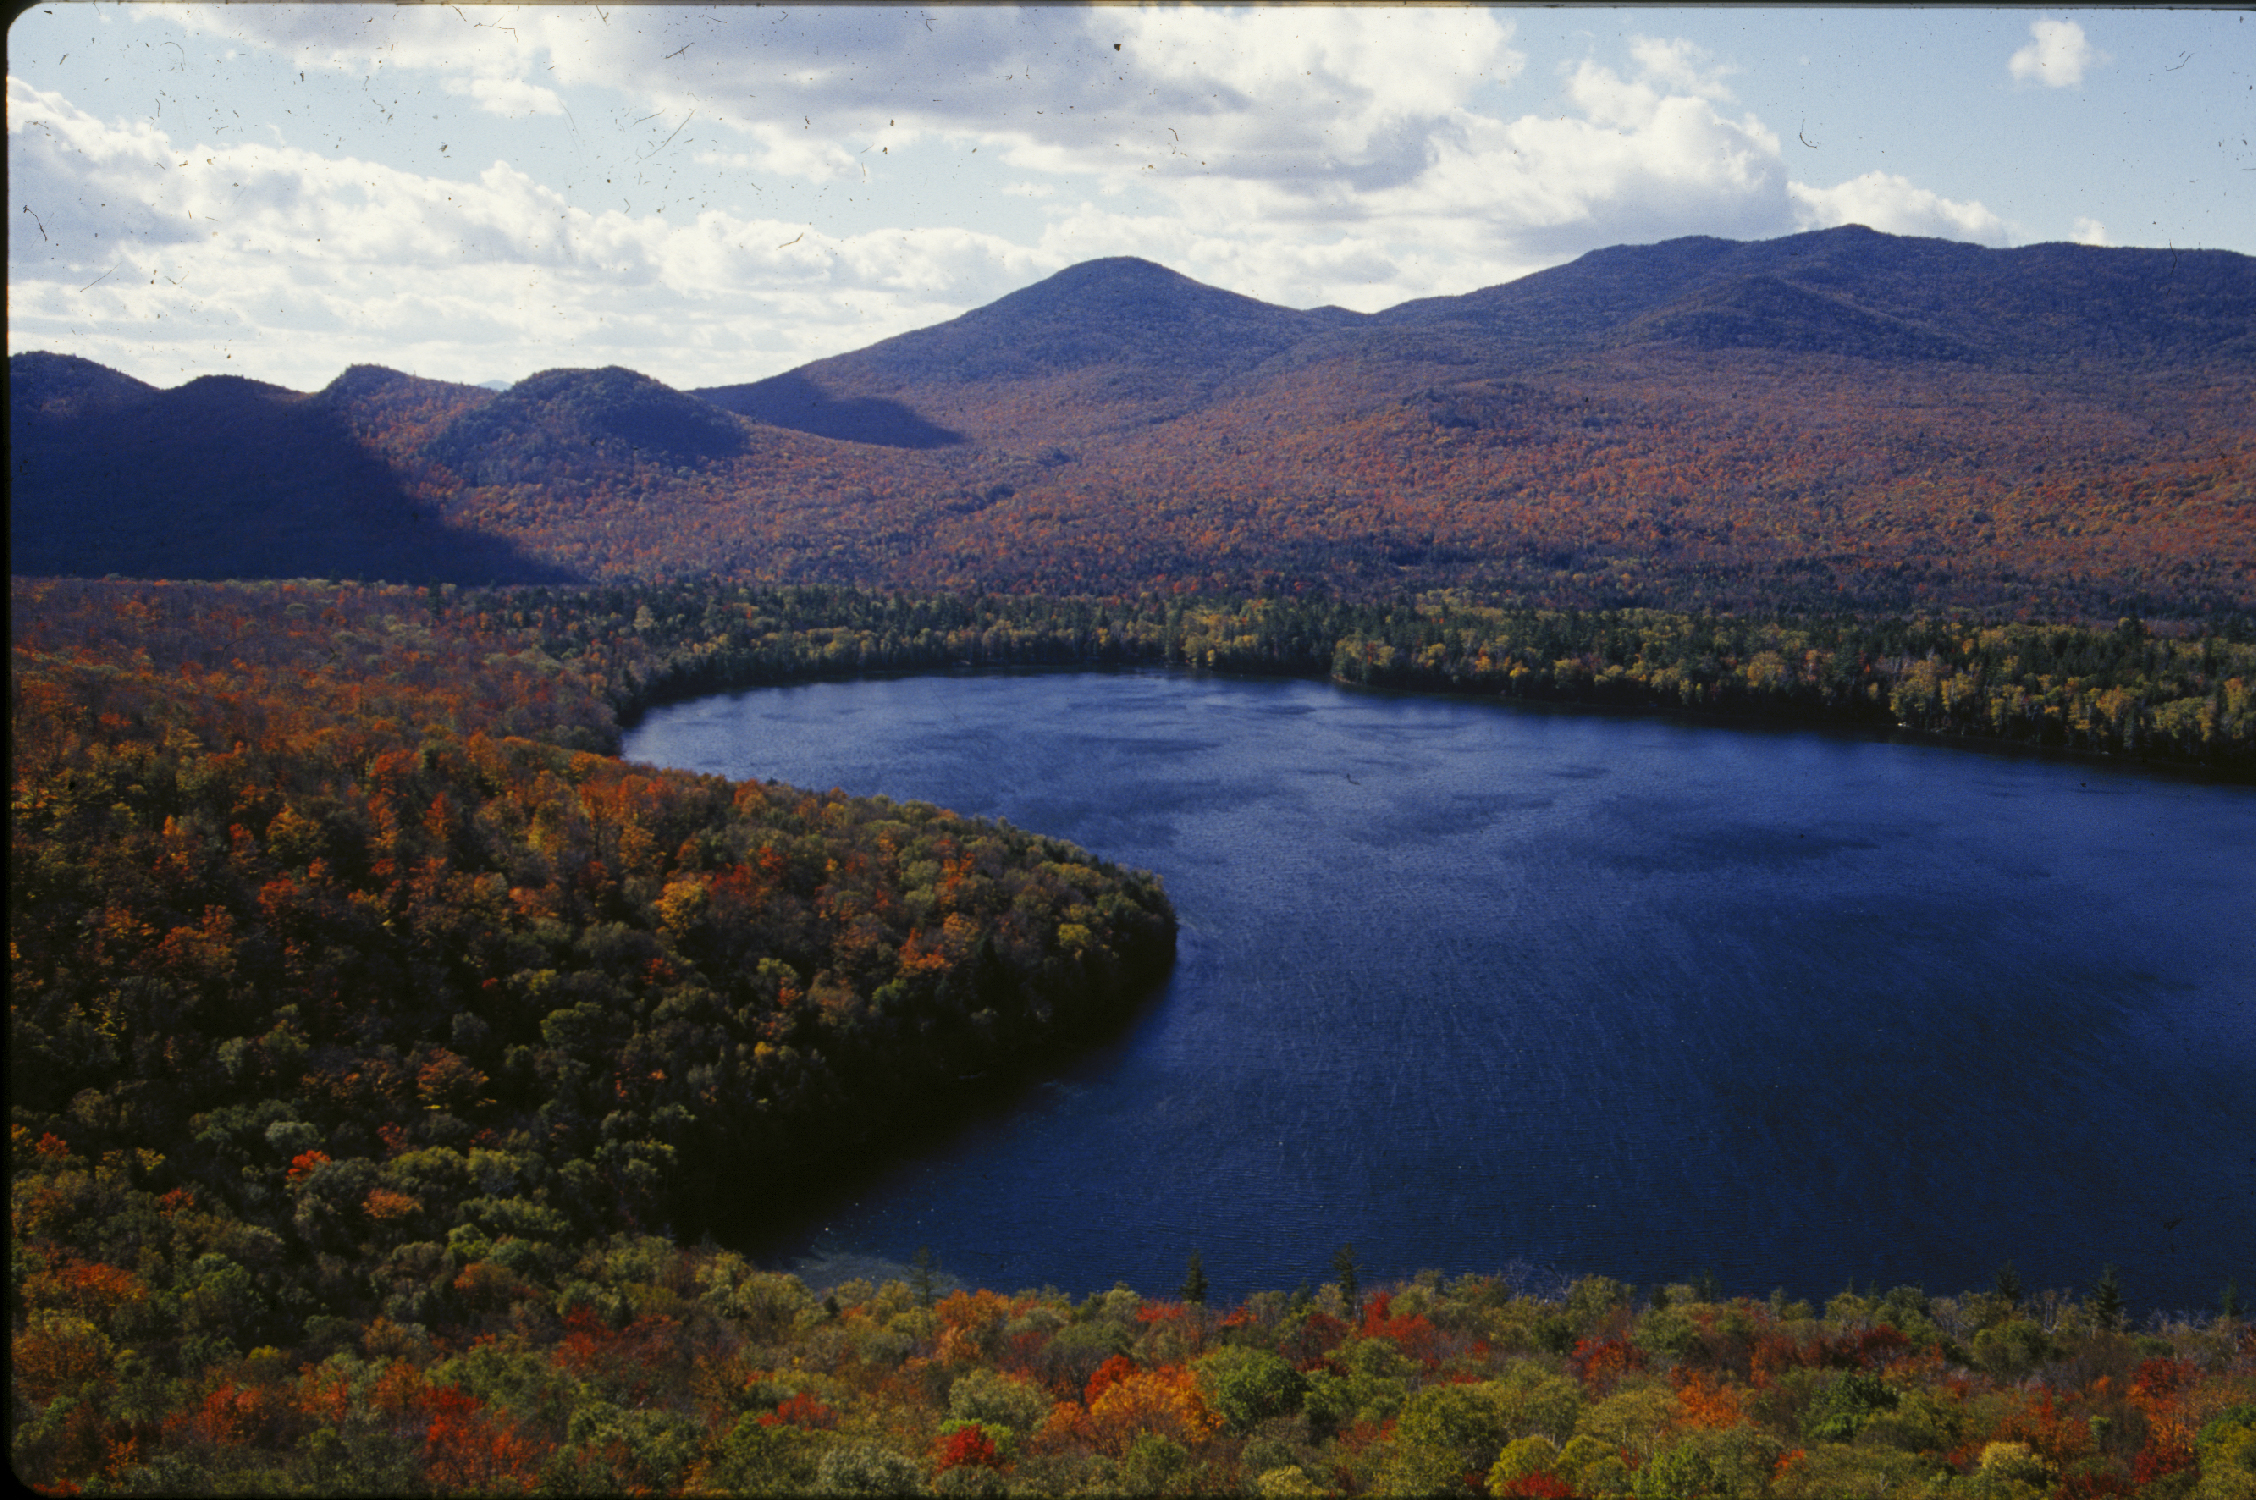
point(60, 387)
point(800, 402)
point(222, 477)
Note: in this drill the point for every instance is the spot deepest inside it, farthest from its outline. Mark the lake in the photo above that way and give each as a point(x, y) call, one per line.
point(1478, 987)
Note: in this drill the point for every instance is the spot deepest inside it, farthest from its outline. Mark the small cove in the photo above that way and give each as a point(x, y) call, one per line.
point(1472, 986)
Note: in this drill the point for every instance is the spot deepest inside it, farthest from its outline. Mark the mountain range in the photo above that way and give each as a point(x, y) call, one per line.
point(1842, 420)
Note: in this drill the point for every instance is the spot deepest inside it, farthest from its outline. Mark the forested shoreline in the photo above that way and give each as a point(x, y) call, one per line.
point(2167, 699)
point(381, 1045)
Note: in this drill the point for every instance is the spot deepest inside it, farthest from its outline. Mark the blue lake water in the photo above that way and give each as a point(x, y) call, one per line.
point(1473, 986)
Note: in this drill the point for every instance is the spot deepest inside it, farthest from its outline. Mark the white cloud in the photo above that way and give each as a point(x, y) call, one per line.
point(1359, 156)
point(1640, 163)
point(289, 265)
point(2090, 232)
point(1682, 66)
point(796, 151)
point(1646, 157)
point(507, 96)
point(1642, 157)
point(1896, 205)
point(2056, 56)
point(1308, 96)
point(1276, 94)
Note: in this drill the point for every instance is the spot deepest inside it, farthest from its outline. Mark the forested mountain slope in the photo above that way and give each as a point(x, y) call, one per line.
point(1854, 291)
point(1837, 420)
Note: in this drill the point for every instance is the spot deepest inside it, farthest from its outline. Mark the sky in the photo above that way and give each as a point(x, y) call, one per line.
point(718, 194)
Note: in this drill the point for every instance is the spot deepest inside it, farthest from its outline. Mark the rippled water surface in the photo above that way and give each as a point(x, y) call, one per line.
point(1470, 985)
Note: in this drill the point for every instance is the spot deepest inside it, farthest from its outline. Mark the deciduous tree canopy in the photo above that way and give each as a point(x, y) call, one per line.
point(378, 1041)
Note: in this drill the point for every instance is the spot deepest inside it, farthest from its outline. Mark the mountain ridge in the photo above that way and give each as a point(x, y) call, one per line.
point(1181, 337)
point(1841, 419)
point(562, 418)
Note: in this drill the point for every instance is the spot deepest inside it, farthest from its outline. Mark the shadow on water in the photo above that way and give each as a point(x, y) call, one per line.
point(788, 1215)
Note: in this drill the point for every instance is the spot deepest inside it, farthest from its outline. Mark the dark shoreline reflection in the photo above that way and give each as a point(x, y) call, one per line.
point(1470, 985)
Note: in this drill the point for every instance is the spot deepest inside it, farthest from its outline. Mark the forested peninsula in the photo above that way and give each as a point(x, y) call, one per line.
point(382, 1049)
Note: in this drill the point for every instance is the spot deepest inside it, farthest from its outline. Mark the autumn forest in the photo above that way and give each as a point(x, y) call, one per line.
point(1833, 422)
point(389, 1061)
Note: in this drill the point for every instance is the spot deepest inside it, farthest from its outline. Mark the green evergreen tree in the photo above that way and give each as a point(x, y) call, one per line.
point(2107, 1301)
point(2008, 1285)
point(1343, 1266)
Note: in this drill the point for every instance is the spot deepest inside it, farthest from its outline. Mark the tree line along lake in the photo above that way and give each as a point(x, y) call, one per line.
point(1475, 986)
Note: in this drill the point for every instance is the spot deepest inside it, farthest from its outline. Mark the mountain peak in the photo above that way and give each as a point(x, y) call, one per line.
point(63, 385)
point(233, 388)
point(365, 382)
point(1149, 342)
point(1120, 291)
point(1120, 310)
point(562, 416)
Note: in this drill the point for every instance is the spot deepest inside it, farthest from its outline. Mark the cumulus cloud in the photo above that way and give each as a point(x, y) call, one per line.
point(1649, 155)
point(1308, 97)
point(1896, 205)
point(507, 96)
point(1681, 66)
point(784, 151)
point(141, 249)
point(1357, 156)
point(1280, 95)
point(2090, 232)
point(2056, 55)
